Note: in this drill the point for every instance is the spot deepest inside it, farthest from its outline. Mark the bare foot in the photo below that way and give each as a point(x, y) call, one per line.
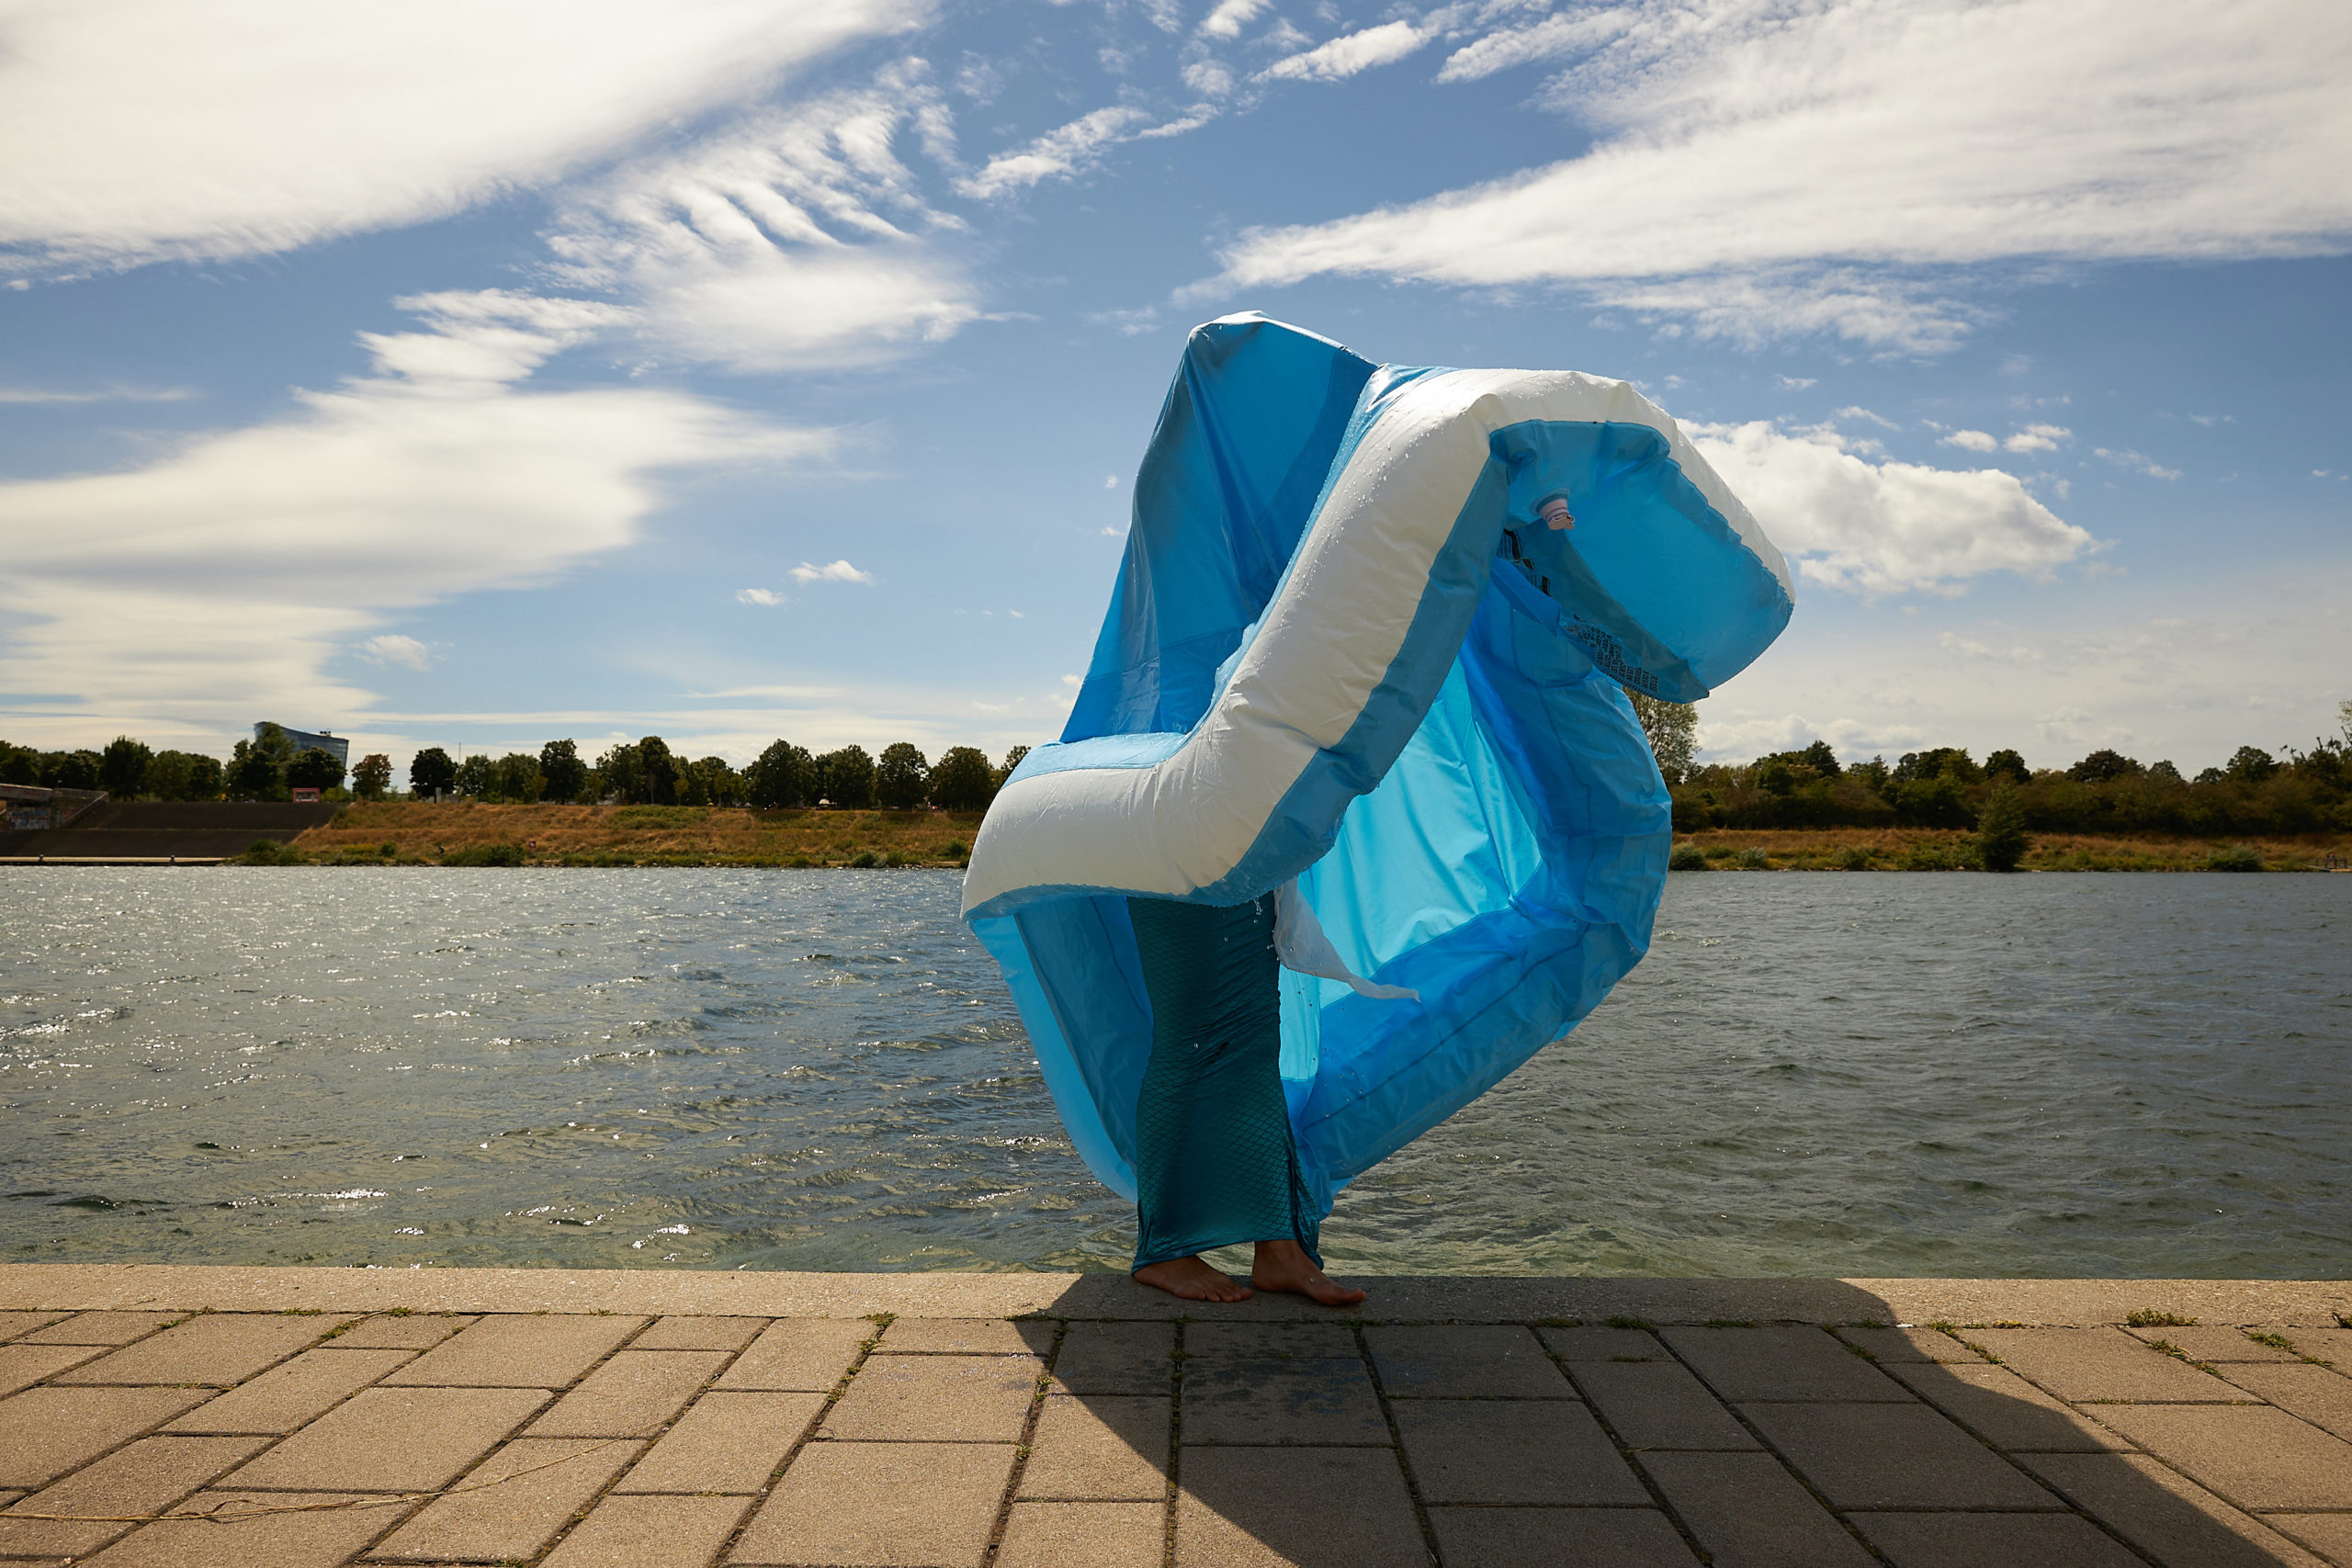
point(1193, 1279)
point(1284, 1266)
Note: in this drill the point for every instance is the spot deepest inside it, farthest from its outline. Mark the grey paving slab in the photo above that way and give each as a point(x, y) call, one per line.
point(21, 1366)
point(519, 1351)
point(1558, 1538)
point(1898, 1345)
point(314, 1538)
point(2173, 1520)
point(404, 1331)
point(633, 1395)
point(882, 1505)
point(13, 1324)
point(966, 1337)
point(1464, 1362)
point(1894, 1456)
point(1603, 1344)
point(699, 1334)
point(292, 1393)
point(1094, 1535)
point(1099, 1447)
point(2006, 1411)
point(651, 1532)
point(1977, 1540)
point(2080, 1365)
point(1295, 1509)
point(147, 1477)
point(2320, 1396)
point(1658, 1404)
point(1281, 1402)
point(798, 1355)
point(219, 1348)
point(44, 1432)
point(1115, 1358)
point(393, 1439)
point(1513, 1452)
point(961, 1399)
point(2330, 1535)
point(1745, 1364)
point(101, 1328)
point(1269, 1341)
point(2257, 1457)
point(512, 1505)
point(726, 1442)
point(2215, 1345)
point(1750, 1513)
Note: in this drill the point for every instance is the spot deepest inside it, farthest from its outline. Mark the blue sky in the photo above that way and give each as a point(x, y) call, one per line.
point(730, 370)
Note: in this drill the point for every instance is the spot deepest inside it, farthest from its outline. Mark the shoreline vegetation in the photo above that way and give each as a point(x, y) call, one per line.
point(478, 833)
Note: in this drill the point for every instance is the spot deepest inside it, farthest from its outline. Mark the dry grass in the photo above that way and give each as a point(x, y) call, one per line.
point(1945, 849)
point(423, 833)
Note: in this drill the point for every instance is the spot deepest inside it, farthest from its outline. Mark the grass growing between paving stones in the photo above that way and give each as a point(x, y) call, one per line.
point(2146, 1317)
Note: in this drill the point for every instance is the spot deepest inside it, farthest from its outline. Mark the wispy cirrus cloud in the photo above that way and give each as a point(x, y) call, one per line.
point(140, 129)
point(1766, 168)
point(1060, 152)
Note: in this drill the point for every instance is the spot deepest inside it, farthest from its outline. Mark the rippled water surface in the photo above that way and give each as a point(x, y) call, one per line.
point(1816, 1074)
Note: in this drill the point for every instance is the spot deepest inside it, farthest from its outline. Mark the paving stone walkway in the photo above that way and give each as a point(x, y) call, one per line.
point(1118, 1433)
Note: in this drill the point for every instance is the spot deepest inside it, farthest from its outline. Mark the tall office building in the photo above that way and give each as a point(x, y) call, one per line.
point(323, 740)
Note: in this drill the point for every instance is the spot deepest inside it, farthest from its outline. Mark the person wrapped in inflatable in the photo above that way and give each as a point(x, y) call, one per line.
point(1351, 815)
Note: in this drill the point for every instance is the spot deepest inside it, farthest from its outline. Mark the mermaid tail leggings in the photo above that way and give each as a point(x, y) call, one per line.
point(1214, 1163)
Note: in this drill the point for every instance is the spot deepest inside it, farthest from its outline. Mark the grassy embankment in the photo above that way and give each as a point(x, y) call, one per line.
point(423, 833)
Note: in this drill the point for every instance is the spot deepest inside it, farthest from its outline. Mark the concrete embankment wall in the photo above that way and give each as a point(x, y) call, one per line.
point(164, 831)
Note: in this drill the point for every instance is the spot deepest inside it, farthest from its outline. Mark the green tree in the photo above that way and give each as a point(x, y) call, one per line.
point(2001, 840)
point(256, 773)
point(1672, 730)
point(620, 773)
point(2009, 765)
point(477, 777)
point(783, 776)
point(122, 770)
point(314, 767)
point(564, 774)
point(372, 779)
point(708, 781)
point(660, 771)
point(1937, 763)
point(2251, 764)
point(205, 777)
point(20, 764)
point(515, 777)
point(902, 778)
point(431, 773)
point(1012, 762)
point(2103, 766)
point(848, 776)
point(962, 779)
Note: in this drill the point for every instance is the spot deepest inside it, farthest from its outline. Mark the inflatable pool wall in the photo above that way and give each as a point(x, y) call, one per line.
point(1343, 648)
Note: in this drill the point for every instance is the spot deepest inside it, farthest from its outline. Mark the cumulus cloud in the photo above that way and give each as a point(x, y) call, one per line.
point(767, 596)
point(1847, 160)
point(2038, 439)
point(229, 577)
point(795, 239)
point(1349, 55)
point(1227, 18)
point(1890, 527)
point(393, 649)
point(1068, 150)
point(1971, 441)
point(838, 572)
point(138, 130)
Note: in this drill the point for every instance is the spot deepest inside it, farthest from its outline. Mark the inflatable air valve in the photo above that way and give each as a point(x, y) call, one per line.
point(1311, 670)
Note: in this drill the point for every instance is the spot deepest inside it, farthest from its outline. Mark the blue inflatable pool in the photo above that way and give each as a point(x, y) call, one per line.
point(1370, 634)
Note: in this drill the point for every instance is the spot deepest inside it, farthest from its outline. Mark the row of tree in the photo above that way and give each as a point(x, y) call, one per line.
point(647, 772)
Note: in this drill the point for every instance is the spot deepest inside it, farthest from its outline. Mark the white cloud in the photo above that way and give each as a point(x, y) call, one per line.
point(223, 579)
point(1971, 441)
point(2039, 438)
point(794, 239)
point(1877, 528)
point(1059, 154)
point(1840, 159)
point(2138, 463)
point(140, 130)
point(839, 571)
point(2210, 419)
point(1226, 19)
point(1854, 410)
point(1347, 56)
point(1795, 383)
point(110, 395)
point(393, 649)
point(1552, 39)
point(767, 596)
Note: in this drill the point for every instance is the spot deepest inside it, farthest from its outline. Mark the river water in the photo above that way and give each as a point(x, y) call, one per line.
point(1884, 1074)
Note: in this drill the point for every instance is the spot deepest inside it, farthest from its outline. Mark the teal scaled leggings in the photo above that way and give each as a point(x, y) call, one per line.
point(1215, 1163)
